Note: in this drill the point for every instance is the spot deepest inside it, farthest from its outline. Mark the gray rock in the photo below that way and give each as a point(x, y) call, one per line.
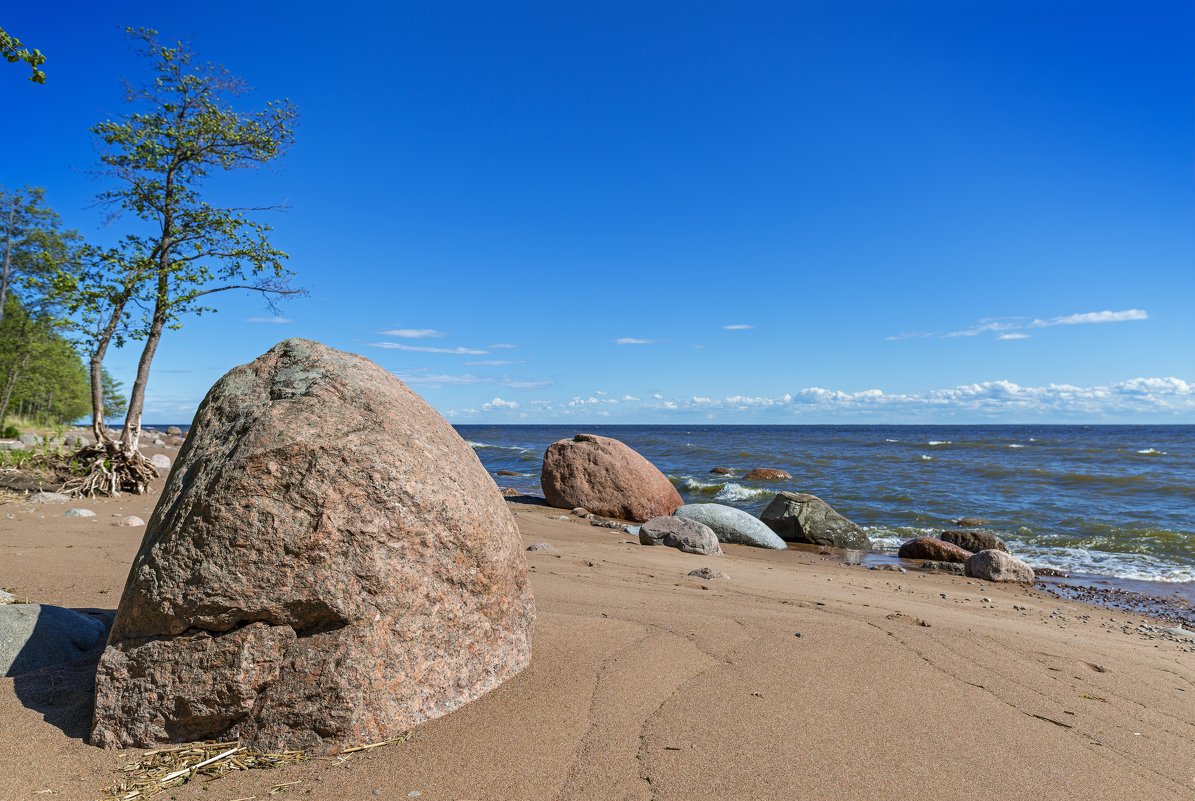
point(542, 547)
point(681, 533)
point(130, 521)
point(7, 597)
point(943, 567)
point(34, 636)
point(12, 445)
point(159, 442)
point(160, 461)
point(707, 573)
point(603, 523)
point(732, 525)
point(79, 513)
point(801, 517)
point(994, 565)
point(174, 431)
point(890, 568)
point(974, 540)
point(29, 439)
point(48, 497)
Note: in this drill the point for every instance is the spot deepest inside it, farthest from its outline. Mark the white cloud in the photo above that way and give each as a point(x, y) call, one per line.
point(1012, 336)
point(737, 327)
point(498, 403)
point(633, 341)
point(434, 380)
point(1001, 324)
point(910, 335)
point(413, 333)
point(426, 349)
point(489, 363)
point(629, 398)
point(501, 346)
point(275, 320)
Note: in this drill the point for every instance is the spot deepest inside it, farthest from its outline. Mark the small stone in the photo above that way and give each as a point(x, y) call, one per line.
point(542, 547)
point(510, 492)
point(943, 567)
point(130, 521)
point(891, 568)
point(377, 791)
point(707, 573)
point(160, 461)
point(581, 511)
point(79, 513)
point(987, 600)
point(7, 597)
point(722, 471)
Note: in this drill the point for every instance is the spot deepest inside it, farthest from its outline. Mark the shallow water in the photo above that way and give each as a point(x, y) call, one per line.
point(1114, 501)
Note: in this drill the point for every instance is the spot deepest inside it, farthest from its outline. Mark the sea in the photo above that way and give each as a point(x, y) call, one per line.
point(1113, 502)
point(1110, 505)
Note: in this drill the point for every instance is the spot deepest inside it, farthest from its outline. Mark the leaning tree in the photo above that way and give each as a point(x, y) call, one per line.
point(182, 126)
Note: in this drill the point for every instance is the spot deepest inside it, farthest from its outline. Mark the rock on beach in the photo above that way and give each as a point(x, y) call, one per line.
point(767, 474)
point(934, 549)
point(681, 533)
point(732, 525)
point(801, 517)
point(606, 477)
point(974, 540)
point(35, 636)
point(329, 564)
point(995, 565)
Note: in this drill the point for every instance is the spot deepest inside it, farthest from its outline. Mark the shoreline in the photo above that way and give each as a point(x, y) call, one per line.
point(640, 676)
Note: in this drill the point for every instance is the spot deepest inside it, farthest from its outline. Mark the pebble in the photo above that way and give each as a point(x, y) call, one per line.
point(707, 573)
point(542, 547)
point(7, 597)
point(79, 513)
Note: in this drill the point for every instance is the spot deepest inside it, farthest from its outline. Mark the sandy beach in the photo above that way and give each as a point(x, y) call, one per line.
point(797, 676)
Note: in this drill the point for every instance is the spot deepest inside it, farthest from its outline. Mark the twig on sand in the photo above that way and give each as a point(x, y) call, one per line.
point(402, 738)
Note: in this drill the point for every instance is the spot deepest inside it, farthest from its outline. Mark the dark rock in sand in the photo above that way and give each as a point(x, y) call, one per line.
point(681, 533)
point(801, 517)
point(970, 521)
point(999, 566)
point(974, 540)
point(722, 471)
point(329, 565)
point(933, 548)
point(732, 525)
point(766, 474)
point(607, 478)
point(954, 568)
point(707, 573)
point(36, 636)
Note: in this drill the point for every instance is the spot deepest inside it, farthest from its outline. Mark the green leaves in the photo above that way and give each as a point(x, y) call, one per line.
point(13, 51)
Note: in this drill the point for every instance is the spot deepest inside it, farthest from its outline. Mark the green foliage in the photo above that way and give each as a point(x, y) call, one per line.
point(43, 377)
point(116, 403)
point(10, 432)
point(13, 51)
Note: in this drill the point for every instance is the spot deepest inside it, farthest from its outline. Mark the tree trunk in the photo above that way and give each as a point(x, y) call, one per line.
point(130, 437)
point(4, 277)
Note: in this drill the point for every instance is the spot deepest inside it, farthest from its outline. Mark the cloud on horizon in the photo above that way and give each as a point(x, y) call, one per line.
point(1004, 325)
point(633, 341)
point(275, 320)
point(737, 327)
point(427, 349)
point(412, 333)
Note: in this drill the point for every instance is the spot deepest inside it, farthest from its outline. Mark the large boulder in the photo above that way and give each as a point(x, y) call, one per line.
point(995, 565)
point(974, 540)
point(681, 533)
point(732, 525)
point(801, 517)
point(934, 549)
point(607, 478)
point(35, 636)
point(329, 564)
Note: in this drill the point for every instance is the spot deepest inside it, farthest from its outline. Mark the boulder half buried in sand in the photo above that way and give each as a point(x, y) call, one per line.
point(732, 525)
point(933, 549)
point(35, 636)
point(606, 477)
point(329, 565)
point(681, 533)
point(801, 517)
point(998, 566)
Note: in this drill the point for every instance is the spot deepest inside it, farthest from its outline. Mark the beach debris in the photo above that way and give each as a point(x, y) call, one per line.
point(163, 768)
point(606, 477)
point(767, 474)
point(732, 525)
point(801, 517)
point(542, 547)
point(970, 521)
point(974, 540)
point(231, 645)
point(681, 533)
point(998, 566)
point(48, 497)
point(35, 636)
point(78, 513)
point(933, 549)
point(943, 567)
point(910, 620)
point(129, 521)
point(707, 573)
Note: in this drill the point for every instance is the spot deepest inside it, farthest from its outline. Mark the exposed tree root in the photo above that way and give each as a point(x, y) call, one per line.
point(113, 469)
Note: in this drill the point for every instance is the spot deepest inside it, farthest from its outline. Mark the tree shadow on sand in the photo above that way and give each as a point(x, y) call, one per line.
point(63, 694)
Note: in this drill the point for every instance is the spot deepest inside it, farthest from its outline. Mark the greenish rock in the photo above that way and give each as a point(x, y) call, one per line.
point(801, 517)
point(35, 636)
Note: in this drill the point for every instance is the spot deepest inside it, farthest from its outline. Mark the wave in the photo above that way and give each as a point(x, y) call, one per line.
point(1151, 452)
point(939, 442)
point(925, 457)
point(1014, 445)
point(728, 491)
point(478, 446)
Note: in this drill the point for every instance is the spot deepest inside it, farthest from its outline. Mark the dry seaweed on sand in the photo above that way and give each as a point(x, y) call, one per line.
point(163, 768)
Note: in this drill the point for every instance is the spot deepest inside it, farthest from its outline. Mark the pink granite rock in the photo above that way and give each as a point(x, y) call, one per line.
point(329, 564)
point(933, 548)
point(606, 477)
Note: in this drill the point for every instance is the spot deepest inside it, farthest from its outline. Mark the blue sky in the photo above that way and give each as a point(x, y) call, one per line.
point(653, 212)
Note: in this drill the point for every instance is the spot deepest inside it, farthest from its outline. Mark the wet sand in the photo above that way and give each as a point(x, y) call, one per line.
point(647, 684)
